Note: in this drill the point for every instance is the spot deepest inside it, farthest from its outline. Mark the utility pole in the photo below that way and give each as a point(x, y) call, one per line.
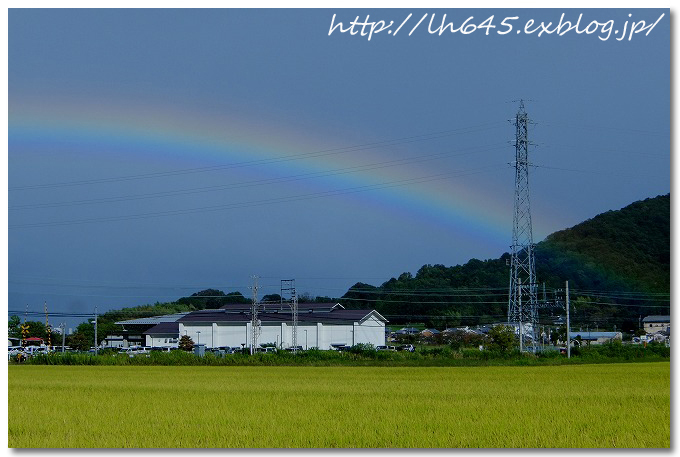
point(545, 296)
point(63, 336)
point(566, 298)
point(254, 321)
point(96, 351)
point(522, 294)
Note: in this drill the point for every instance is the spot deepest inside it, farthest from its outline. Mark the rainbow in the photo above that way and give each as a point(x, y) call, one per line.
point(201, 138)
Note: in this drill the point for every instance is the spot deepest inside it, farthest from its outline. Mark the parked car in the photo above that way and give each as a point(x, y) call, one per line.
point(35, 350)
point(13, 351)
point(407, 348)
point(133, 351)
point(130, 351)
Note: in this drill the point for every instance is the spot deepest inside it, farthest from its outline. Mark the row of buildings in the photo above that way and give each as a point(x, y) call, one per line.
point(320, 325)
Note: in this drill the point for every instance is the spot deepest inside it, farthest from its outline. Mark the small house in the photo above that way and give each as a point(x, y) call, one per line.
point(656, 324)
point(595, 337)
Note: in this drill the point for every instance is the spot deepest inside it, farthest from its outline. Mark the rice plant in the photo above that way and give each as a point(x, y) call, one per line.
point(339, 407)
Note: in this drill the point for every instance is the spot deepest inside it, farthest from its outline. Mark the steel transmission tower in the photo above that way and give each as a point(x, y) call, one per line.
point(254, 319)
point(522, 302)
point(288, 288)
point(48, 329)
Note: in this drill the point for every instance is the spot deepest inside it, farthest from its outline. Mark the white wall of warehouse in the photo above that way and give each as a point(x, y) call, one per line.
point(162, 340)
point(371, 331)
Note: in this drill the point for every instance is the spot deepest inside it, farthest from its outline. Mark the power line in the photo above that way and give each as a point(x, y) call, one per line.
point(350, 190)
point(452, 292)
point(615, 297)
point(575, 305)
point(103, 286)
point(259, 182)
point(599, 128)
point(595, 172)
point(294, 157)
point(619, 292)
point(617, 151)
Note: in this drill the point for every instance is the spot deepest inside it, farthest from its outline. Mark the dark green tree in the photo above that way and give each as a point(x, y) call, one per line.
point(502, 338)
point(78, 341)
point(205, 299)
point(559, 334)
point(186, 343)
point(37, 329)
point(14, 327)
point(272, 298)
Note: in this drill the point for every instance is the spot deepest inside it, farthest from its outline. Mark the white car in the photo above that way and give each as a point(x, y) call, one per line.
point(131, 351)
point(35, 350)
point(13, 351)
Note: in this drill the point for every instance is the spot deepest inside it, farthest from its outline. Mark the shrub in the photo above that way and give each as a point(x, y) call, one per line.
point(186, 343)
point(363, 349)
point(502, 338)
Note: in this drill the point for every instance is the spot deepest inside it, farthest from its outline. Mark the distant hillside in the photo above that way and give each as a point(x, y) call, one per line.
point(624, 251)
point(628, 249)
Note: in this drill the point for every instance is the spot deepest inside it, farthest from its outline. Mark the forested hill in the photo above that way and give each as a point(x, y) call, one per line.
point(628, 249)
point(624, 251)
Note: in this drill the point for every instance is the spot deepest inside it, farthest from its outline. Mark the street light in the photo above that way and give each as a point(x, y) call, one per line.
point(198, 342)
point(305, 340)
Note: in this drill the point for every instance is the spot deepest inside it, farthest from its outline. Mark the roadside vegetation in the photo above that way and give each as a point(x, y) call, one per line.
point(366, 355)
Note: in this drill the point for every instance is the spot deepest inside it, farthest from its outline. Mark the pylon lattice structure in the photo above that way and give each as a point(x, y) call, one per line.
point(288, 289)
point(48, 329)
point(522, 301)
point(255, 324)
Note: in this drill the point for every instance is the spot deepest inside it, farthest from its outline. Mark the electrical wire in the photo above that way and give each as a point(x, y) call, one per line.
point(294, 157)
point(255, 183)
point(295, 198)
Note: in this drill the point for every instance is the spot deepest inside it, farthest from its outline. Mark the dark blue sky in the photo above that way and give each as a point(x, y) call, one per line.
point(155, 153)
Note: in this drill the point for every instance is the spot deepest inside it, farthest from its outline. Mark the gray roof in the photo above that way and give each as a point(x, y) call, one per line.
point(338, 316)
point(594, 335)
point(154, 319)
point(282, 307)
point(661, 319)
point(164, 328)
point(407, 331)
point(325, 313)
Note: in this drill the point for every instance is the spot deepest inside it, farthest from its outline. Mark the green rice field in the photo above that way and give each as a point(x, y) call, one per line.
point(594, 406)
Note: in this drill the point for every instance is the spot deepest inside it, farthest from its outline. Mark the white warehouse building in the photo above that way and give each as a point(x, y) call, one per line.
point(320, 325)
